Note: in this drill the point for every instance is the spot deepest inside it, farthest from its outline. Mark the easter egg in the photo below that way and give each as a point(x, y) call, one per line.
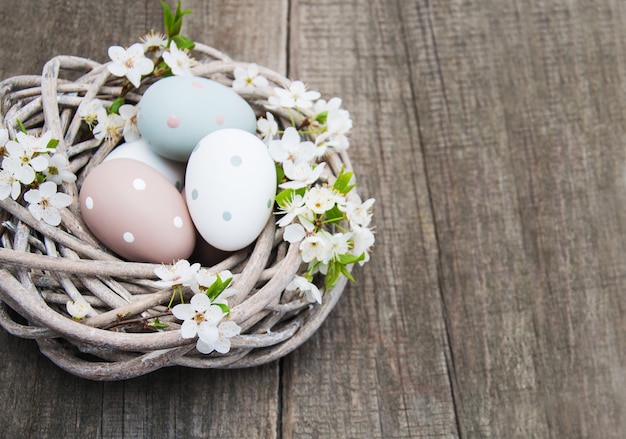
point(136, 212)
point(139, 150)
point(176, 112)
point(230, 186)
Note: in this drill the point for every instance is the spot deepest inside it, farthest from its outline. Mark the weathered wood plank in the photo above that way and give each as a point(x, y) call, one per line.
point(378, 368)
point(522, 118)
point(173, 402)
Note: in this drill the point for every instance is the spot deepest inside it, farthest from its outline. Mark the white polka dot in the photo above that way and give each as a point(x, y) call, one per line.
point(89, 203)
point(128, 237)
point(178, 222)
point(139, 184)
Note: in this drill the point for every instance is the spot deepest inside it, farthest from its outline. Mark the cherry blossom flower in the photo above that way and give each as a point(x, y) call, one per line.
point(309, 289)
point(293, 209)
point(337, 244)
point(58, 170)
point(301, 174)
point(359, 213)
point(79, 309)
point(315, 247)
point(9, 182)
point(153, 42)
point(248, 79)
point(291, 148)
point(362, 240)
point(295, 96)
point(338, 124)
point(45, 202)
point(267, 127)
point(109, 126)
point(89, 111)
point(199, 318)
point(225, 331)
point(129, 114)
point(130, 62)
point(178, 60)
point(180, 274)
point(320, 199)
point(24, 160)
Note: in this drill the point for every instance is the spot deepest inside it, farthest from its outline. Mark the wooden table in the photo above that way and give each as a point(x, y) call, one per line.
point(493, 136)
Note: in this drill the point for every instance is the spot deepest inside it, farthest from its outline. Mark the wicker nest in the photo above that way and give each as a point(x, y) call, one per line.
point(44, 266)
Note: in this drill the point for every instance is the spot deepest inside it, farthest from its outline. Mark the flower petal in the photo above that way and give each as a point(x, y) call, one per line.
point(188, 329)
point(208, 333)
point(200, 302)
point(183, 311)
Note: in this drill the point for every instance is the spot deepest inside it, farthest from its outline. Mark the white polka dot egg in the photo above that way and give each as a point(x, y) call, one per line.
point(136, 212)
point(230, 186)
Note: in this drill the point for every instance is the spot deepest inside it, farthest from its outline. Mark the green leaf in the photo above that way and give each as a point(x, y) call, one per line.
point(350, 259)
point(342, 184)
point(178, 21)
point(284, 197)
point(334, 214)
point(21, 125)
point(52, 144)
point(333, 273)
point(321, 117)
point(158, 324)
point(168, 18)
point(225, 308)
point(115, 106)
point(347, 274)
point(280, 174)
point(183, 42)
point(218, 287)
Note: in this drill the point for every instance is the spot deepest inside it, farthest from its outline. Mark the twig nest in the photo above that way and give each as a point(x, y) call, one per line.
point(108, 315)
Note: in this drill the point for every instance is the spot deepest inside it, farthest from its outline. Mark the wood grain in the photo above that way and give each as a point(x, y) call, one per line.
point(492, 136)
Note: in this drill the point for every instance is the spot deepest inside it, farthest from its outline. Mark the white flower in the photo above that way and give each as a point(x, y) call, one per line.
point(316, 247)
point(248, 79)
point(179, 274)
point(338, 124)
point(178, 60)
point(199, 318)
point(267, 127)
point(291, 148)
point(45, 202)
point(153, 42)
point(296, 96)
point(320, 199)
point(301, 174)
point(129, 114)
point(9, 183)
point(58, 170)
point(26, 156)
point(321, 105)
point(89, 111)
point(359, 214)
point(109, 126)
point(130, 62)
point(362, 240)
point(338, 244)
point(78, 310)
point(292, 209)
point(225, 331)
point(309, 289)
point(31, 143)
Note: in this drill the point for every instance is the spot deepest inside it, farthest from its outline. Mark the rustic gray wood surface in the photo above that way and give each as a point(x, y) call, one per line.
point(492, 134)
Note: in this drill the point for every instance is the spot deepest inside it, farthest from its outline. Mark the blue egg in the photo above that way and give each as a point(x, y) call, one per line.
point(176, 112)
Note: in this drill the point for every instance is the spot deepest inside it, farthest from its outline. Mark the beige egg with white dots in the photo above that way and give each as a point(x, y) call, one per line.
point(136, 212)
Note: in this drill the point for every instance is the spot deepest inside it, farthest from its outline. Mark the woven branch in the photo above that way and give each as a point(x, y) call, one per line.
point(45, 266)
